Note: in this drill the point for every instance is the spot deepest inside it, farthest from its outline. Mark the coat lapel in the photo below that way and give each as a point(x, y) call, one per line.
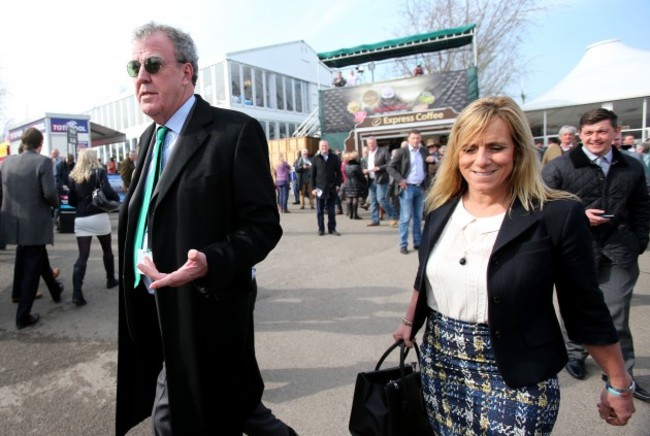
point(516, 221)
point(190, 140)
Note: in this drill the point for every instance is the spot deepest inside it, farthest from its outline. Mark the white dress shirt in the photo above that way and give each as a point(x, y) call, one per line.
point(455, 288)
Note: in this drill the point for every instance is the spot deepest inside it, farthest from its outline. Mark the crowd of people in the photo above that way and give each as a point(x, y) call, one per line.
point(501, 237)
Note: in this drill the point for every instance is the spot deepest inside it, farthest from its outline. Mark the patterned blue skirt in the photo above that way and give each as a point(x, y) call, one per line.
point(465, 393)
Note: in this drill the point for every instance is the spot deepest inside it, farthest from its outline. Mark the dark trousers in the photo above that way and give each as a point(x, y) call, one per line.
point(46, 274)
point(262, 422)
point(330, 204)
point(29, 263)
point(617, 284)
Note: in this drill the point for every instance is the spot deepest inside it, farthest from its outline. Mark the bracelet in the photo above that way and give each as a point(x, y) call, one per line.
point(618, 392)
point(407, 323)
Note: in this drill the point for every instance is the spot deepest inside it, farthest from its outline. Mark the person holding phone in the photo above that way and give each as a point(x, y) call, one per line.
point(611, 186)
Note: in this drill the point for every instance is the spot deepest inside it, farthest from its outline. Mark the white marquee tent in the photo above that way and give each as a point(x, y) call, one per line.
point(610, 74)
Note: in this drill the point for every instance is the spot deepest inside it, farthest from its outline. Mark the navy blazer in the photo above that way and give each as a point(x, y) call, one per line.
point(533, 253)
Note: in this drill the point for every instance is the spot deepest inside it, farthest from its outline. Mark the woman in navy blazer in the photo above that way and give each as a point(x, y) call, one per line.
point(496, 243)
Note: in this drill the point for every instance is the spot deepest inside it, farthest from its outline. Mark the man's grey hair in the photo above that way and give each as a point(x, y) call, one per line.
point(184, 47)
point(567, 129)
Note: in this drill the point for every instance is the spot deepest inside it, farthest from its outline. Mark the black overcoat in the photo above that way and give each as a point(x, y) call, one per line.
point(216, 195)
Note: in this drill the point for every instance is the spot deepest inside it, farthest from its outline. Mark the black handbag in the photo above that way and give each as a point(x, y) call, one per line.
point(388, 402)
point(99, 198)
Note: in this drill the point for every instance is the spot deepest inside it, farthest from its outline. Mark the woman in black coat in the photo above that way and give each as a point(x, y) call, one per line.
point(87, 175)
point(356, 186)
point(496, 244)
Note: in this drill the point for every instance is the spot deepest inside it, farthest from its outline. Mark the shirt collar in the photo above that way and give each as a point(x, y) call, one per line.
point(592, 157)
point(176, 122)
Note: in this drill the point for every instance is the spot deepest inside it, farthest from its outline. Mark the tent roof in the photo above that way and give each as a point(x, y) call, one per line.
point(393, 48)
point(608, 71)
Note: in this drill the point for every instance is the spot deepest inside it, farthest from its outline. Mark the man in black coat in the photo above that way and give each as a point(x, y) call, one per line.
point(192, 228)
point(326, 180)
point(611, 186)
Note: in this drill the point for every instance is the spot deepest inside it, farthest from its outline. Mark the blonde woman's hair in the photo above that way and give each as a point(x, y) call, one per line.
point(525, 182)
point(351, 155)
point(86, 163)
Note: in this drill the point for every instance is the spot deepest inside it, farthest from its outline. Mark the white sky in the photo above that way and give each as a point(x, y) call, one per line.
point(69, 55)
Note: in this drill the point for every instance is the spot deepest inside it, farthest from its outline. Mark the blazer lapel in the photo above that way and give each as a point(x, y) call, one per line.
point(437, 221)
point(516, 221)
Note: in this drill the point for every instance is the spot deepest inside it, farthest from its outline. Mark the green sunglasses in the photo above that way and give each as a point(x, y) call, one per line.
point(151, 65)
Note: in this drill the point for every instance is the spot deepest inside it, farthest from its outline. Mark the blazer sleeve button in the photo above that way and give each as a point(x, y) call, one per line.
point(497, 333)
point(496, 300)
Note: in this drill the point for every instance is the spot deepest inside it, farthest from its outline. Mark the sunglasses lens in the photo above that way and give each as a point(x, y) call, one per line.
point(133, 68)
point(152, 65)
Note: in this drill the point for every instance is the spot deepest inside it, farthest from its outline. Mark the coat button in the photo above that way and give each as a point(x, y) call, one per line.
point(496, 300)
point(497, 333)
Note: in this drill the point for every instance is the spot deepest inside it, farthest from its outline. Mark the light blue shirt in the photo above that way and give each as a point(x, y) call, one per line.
point(605, 161)
point(416, 167)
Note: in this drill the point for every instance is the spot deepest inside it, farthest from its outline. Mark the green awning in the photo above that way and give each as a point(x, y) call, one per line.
point(400, 47)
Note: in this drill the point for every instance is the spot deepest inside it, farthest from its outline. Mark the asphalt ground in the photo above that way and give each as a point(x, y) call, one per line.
point(326, 309)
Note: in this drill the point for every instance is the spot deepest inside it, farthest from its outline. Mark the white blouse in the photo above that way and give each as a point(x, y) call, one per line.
point(456, 272)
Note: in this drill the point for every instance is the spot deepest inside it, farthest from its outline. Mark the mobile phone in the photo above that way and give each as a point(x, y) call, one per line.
point(607, 215)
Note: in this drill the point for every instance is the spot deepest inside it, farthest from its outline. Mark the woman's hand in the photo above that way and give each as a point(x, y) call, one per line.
point(403, 332)
point(616, 410)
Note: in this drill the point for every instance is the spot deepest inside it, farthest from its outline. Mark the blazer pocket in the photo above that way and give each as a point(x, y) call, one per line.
point(201, 182)
point(538, 244)
point(540, 334)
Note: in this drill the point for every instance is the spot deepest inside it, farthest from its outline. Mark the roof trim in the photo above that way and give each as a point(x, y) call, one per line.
point(399, 47)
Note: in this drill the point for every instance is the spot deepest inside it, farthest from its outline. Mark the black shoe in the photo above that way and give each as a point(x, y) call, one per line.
point(403, 250)
point(31, 320)
point(576, 368)
point(79, 301)
point(56, 297)
point(334, 232)
point(641, 394)
point(321, 233)
point(416, 247)
point(111, 283)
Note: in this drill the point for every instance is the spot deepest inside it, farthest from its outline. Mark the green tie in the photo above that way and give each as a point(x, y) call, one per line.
point(152, 177)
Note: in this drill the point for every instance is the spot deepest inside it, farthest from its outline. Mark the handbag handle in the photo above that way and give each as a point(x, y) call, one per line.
point(404, 351)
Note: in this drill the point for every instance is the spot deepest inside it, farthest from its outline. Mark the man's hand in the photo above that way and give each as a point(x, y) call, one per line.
point(616, 410)
point(195, 268)
point(403, 184)
point(594, 216)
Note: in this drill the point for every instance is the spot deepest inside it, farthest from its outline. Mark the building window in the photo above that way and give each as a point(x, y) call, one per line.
point(220, 82)
point(205, 78)
point(248, 86)
point(269, 90)
point(279, 91)
point(273, 130)
point(258, 88)
point(298, 94)
point(289, 88)
point(283, 130)
point(235, 83)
